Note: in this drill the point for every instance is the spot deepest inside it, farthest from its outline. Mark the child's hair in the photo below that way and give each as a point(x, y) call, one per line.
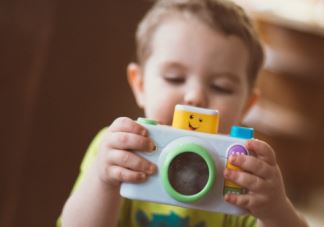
point(220, 15)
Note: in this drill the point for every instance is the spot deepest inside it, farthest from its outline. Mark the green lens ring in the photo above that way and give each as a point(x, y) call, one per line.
point(171, 155)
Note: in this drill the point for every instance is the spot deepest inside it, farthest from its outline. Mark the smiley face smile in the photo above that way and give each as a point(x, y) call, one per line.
point(191, 127)
point(194, 119)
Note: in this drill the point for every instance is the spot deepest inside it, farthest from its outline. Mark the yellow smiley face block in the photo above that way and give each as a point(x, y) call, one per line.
point(195, 119)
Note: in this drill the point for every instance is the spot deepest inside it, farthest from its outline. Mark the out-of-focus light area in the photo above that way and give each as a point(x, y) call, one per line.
point(302, 14)
point(289, 114)
point(292, 32)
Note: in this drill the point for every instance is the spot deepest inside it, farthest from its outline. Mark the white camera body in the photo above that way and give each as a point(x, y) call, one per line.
point(187, 158)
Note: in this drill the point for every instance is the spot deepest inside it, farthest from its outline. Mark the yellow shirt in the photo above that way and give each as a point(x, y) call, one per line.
point(141, 214)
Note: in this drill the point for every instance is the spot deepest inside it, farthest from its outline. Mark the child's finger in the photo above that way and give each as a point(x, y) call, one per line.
point(244, 201)
point(262, 150)
point(129, 141)
point(130, 161)
point(119, 174)
point(251, 202)
point(241, 201)
point(252, 165)
point(125, 124)
point(245, 180)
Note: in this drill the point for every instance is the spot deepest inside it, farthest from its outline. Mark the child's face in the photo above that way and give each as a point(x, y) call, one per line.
point(194, 65)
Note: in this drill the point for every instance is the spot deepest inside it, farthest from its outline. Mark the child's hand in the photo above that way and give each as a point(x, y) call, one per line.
point(266, 197)
point(116, 161)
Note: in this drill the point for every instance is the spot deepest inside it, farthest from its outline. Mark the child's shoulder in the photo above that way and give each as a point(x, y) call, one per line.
point(93, 149)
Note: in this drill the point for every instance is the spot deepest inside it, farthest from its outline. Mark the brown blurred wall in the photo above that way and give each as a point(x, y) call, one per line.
point(62, 78)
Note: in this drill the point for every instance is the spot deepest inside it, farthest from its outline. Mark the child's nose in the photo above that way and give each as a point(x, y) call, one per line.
point(196, 96)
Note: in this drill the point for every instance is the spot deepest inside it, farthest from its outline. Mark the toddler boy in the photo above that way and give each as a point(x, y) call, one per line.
point(203, 53)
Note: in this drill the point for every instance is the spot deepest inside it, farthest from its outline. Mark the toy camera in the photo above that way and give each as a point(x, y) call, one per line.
point(191, 158)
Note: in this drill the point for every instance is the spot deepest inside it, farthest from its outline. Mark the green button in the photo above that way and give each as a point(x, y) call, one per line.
point(146, 121)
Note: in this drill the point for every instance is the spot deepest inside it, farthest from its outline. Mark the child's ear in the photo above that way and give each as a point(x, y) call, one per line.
point(252, 100)
point(136, 82)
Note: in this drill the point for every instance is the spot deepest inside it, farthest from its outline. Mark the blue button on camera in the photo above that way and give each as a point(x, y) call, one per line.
point(242, 132)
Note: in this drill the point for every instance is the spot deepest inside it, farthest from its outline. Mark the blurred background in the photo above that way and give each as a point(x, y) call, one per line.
point(63, 77)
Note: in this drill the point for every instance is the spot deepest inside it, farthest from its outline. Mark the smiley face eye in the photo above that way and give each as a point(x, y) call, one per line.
point(200, 120)
point(191, 116)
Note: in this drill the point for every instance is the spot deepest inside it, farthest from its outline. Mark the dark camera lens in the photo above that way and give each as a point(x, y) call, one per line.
point(188, 173)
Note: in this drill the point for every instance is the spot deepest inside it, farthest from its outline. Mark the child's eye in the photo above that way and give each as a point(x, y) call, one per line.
point(176, 80)
point(221, 89)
